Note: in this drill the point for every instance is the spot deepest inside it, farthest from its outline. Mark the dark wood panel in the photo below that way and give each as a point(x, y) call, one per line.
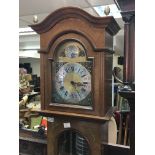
point(31, 143)
point(32, 148)
point(93, 132)
point(111, 149)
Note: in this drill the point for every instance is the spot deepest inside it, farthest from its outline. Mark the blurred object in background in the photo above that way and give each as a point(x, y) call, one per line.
point(24, 78)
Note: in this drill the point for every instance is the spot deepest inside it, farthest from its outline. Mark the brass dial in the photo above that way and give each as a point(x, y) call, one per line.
point(73, 82)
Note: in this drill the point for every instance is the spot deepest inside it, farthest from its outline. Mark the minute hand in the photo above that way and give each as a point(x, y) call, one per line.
point(81, 84)
point(78, 83)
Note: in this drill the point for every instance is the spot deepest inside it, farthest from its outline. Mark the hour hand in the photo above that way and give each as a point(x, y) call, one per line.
point(73, 83)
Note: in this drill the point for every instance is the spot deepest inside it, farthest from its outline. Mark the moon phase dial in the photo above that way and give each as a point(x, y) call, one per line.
point(72, 51)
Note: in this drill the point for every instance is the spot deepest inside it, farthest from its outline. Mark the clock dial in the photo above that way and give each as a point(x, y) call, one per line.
point(73, 82)
point(72, 76)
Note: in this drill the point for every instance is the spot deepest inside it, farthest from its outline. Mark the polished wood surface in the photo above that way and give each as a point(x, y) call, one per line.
point(73, 12)
point(79, 25)
point(128, 15)
point(93, 131)
point(96, 35)
point(65, 114)
point(112, 149)
point(129, 48)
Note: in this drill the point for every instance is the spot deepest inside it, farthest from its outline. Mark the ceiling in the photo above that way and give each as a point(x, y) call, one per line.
point(42, 8)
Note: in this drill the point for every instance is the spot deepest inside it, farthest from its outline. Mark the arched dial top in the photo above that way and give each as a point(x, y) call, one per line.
point(72, 78)
point(70, 51)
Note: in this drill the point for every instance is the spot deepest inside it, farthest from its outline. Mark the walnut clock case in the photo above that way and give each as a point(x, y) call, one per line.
point(76, 73)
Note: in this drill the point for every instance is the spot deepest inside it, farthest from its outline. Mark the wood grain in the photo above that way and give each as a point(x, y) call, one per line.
point(96, 36)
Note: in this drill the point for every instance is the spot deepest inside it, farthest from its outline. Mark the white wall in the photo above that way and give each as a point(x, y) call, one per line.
point(35, 64)
point(119, 43)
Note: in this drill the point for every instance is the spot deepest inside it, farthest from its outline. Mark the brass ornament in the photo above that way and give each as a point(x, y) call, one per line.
point(35, 19)
point(107, 10)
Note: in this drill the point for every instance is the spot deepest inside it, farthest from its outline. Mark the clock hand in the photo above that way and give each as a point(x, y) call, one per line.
point(73, 83)
point(75, 87)
point(78, 83)
point(85, 82)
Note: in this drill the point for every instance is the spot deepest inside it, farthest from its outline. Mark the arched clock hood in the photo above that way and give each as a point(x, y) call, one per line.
point(73, 12)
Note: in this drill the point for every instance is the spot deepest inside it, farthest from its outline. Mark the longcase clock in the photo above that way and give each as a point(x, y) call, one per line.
point(76, 79)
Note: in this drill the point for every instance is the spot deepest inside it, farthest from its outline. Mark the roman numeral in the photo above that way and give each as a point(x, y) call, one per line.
point(62, 87)
point(78, 70)
point(72, 68)
point(66, 93)
point(79, 94)
point(83, 90)
point(83, 75)
point(69, 69)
